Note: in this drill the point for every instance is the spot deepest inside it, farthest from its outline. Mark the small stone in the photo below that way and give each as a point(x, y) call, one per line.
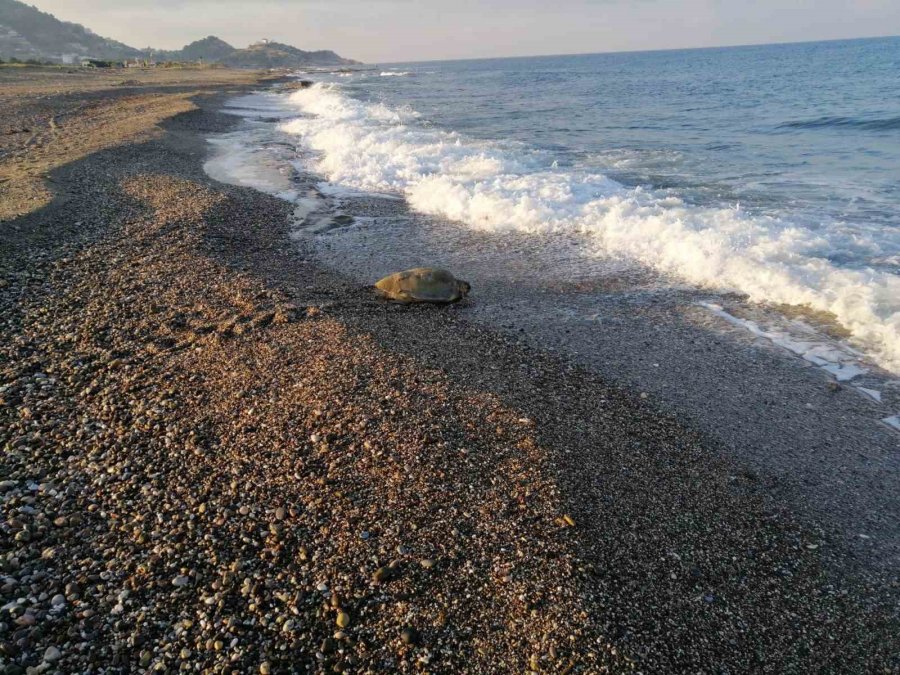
point(427, 563)
point(180, 581)
point(265, 668)
point(327, 646)
point(52, 654)
point(343, 619)
point(383, 574)
point(26, 619)
point(409, 636)
point(280, 513)
point(364, 535)
point(58, 600)
point(569, 520)
point(315, 438)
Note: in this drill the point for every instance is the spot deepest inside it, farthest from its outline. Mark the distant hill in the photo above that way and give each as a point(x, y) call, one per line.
point(28, 33)
point(277, 55)
point(210, 49)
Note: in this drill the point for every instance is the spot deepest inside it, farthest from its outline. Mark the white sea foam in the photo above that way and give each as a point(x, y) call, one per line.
point(394, 73)
point(239, 158)
point(370, 146)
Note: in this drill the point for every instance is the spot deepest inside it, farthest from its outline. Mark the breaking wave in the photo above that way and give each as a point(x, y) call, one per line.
point(486, 186)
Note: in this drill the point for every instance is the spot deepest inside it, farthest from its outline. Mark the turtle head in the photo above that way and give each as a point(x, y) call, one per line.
point(464, 288)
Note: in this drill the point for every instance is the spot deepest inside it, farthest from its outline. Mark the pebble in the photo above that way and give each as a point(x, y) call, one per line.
point(383, 574)
point(52, 654)
point(409, 636)
point(114, 476)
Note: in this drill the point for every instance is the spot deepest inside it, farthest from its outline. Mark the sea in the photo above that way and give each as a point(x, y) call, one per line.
point(768, 173)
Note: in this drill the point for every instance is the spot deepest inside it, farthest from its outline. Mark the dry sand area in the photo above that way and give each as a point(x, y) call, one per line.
point(219, 457)
point(52, 117)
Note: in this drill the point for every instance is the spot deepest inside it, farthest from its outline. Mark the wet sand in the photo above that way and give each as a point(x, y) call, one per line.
point(218, 453)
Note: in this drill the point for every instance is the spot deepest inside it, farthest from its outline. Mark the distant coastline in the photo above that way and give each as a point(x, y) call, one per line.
point(28, 34)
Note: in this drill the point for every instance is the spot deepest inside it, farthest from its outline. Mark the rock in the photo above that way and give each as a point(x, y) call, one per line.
point(58, 600)
point(343, 619)
point(180, 581)
point(409, 636)
point(427, 563)
point(383, 574)
point(265, 668)
point(52, 654)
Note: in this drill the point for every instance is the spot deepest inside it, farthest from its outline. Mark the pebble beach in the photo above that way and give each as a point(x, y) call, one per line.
point(220, 456)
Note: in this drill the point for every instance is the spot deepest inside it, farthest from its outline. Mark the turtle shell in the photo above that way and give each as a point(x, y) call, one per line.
point(422, 284)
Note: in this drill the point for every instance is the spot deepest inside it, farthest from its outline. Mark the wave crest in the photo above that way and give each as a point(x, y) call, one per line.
point(371, 147)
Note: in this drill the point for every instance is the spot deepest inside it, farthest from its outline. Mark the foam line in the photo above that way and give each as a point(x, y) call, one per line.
point(486, 186)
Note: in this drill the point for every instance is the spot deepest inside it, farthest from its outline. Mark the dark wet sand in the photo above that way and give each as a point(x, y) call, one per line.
point(217, 453)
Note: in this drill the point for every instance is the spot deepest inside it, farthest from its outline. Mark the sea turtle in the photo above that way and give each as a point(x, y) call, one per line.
point(423, 284)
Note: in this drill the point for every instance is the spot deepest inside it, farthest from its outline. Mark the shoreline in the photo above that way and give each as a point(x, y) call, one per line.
point(806, 414)
point(219, 452)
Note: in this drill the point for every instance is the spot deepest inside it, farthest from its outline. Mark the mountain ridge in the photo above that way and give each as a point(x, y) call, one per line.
point(27, 33)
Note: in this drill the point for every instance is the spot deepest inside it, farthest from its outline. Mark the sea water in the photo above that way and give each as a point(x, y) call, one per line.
point(771, 171)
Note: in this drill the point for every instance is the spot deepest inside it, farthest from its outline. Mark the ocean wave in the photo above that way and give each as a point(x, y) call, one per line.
point(869, 124)
point(486, 186)
point(395, 73)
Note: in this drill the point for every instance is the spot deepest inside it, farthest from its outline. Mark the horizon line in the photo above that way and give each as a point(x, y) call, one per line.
point(638, 51)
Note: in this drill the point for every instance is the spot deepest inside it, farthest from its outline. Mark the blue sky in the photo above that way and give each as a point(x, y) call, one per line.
point(380, 31)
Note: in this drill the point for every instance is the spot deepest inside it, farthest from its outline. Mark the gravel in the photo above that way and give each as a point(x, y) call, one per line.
point(198, 424)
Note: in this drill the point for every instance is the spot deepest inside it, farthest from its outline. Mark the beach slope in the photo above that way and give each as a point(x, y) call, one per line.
point(218, 454)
